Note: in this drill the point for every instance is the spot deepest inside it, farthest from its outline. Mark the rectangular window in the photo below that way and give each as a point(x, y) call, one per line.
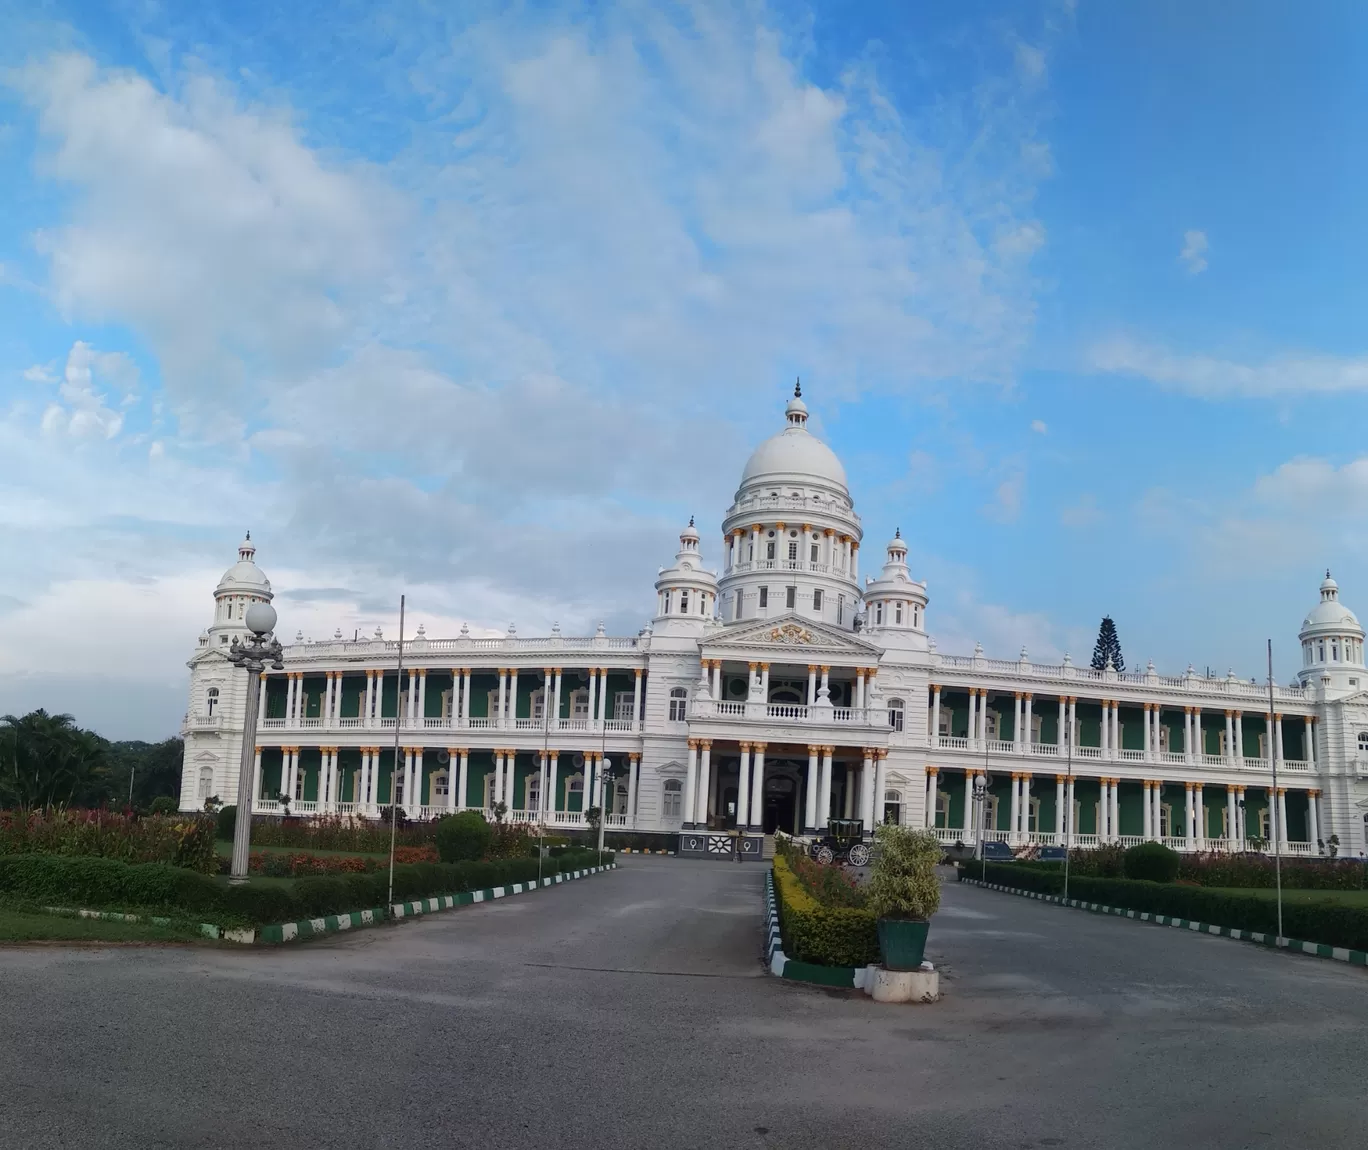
point(769, 549)
point(667, 602)
point(817, 599)
point(791, 597)
point(764, 596)
point(878, 613)
point(840, 608)
point(897, 613)
point(814, 553)
point(683, 602)
point(793, 551)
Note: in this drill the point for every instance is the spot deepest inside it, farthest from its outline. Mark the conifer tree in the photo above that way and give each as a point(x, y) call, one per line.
point(1108, 647)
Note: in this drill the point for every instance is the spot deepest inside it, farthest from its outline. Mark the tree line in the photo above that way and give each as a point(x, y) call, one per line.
point(48, 761)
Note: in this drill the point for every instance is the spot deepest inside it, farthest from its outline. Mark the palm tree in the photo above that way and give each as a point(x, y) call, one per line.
point(46, 760)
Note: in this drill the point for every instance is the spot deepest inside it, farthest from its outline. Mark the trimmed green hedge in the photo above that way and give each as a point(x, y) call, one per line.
point(826, 935)
point(1330, 923)
point(107, 884)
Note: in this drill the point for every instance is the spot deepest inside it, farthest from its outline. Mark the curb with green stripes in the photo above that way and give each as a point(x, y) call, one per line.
point(781, 966)
point(205, 928)
point(332, 923)
point(1316, 949)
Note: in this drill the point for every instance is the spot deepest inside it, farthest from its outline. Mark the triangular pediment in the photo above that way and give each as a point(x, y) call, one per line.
point(789, 633)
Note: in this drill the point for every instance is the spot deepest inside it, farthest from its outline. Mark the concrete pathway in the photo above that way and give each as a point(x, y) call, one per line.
point(631, 1010)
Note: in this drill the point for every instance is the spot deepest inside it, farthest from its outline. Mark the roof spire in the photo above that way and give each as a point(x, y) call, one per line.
point(691, 520)
point(897, 533)
point(798, 387)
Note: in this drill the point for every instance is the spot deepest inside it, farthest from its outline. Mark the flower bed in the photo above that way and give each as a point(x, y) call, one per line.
point(1333, 924)
point(178, 840)
point(297, 864)
point(828, 935)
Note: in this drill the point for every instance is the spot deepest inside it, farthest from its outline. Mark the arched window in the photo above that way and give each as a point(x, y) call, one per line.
point(211, 700)
point(878, 614)
point(896, 709)
point(439, 785)
point(683, 602)
point(1363, 742)
point(892, 812)
point(679, 704)
point(897, 612)
point(206, 782)
point(532, 792)
point(673, 805)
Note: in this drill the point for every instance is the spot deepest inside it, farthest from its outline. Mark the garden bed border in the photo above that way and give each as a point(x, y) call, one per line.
point(1297, 946)
point(781, 966)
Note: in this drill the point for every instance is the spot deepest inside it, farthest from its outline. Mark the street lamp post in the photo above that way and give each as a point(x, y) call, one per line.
point(260, 649)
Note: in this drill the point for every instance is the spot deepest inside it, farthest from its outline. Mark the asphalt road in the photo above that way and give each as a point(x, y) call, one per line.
point(631, 1010)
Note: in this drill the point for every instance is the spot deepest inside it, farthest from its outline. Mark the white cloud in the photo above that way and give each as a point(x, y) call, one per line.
point(1214, 377)
point(1083, 513)
point(1039, 427)
point(86, 414)
point(1030, 61)
point(1194, 250)
point(1006, 503)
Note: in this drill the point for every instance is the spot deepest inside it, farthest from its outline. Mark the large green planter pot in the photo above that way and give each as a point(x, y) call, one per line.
point(903, 942)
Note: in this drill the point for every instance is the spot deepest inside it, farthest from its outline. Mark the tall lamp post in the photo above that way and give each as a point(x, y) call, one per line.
point(261, 649)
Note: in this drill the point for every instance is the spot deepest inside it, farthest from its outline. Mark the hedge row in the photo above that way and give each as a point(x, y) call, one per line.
point(1331, 923)
point(827, 935)
point(106, 884)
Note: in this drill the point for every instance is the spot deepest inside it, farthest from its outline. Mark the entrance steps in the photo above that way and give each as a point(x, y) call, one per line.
point(767, 851)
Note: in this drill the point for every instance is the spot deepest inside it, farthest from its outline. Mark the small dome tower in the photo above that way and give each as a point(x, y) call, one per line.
point(242, 585)
point(686, 594)
point(895, 603)
point(1332, 644)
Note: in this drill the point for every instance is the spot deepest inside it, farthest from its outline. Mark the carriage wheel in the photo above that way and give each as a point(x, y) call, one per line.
point(859, 855)
point(823, 855)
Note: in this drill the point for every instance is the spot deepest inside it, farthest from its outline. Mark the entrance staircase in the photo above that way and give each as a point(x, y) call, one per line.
point(767, 851)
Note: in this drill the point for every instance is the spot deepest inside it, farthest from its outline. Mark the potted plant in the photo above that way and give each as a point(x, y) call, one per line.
point(904, 892)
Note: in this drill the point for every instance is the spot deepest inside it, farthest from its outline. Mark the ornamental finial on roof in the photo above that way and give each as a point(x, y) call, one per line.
point(691, 522)
point(798, 387)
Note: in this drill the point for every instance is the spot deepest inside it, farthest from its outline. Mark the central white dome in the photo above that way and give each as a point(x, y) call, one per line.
point(794, 456)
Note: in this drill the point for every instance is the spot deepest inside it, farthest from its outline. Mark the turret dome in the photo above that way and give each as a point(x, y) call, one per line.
point(245, 576)
point(795, 455)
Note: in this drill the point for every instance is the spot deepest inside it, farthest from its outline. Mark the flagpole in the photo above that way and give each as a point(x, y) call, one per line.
point(398, 723)
point(1274, 823)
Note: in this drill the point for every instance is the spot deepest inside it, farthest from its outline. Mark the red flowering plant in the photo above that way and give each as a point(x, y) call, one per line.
point(184, 840)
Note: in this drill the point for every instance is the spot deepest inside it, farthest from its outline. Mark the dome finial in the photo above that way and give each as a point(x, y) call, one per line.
point(798, 387)
point(897, 533)
point(691, 520)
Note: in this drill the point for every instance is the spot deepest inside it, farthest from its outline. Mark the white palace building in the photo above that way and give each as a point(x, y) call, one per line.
point(783, 691)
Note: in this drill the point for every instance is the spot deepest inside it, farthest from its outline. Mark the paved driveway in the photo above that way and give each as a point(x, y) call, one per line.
point(631, 1010)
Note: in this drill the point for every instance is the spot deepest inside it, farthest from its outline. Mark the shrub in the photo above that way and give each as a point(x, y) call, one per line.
point(1153, 862)
point(164, 805)
point(903, 882)
point(830, 885)
point(1330, 923)
point(463, 837)
point(182, 840)
point(226, 822)
point(826, 935)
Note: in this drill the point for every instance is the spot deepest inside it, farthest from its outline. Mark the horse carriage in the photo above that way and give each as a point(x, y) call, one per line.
point(843, 842)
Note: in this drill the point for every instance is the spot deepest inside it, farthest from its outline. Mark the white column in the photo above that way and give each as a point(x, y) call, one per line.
point(858, 701)
point(363, 782)
point(1312, 814)
point(1147, 744)
point(757, 808)
point(813, 781)
point(326, 710)
point(413, 794)
point(636, 696)
point(587, 792)
point(1061, 728)
point(880, 786)
point(764, 682)
point(1199, 814)
point(824, 802)
point(1239, 739)
point(1103, 734)
point(933, 736)
point(1268, 739)
point(510, 778)
point(1059, 809)
point(1278, 736)
point(700, 816)
point(1310, 738)
point(467, 676)
point(1198, 747)
point(1230, 738)
point(812, 684)
point(593, 696)
point(261, 695)
point(503, 696)
point(553, 785)
point(972, 729)
point(929, 793)
point(411, 703)
point(368, 703)
point(1189, 830)
point(826, 681)
point(1232, 832)
point(634, 781)
point(691, 785)
point(324, 769)
point(543, 778)
point(1027, 723)
point(1147, 829)
point(289, 698)
point(422, 696)
point(1014, 822)
point(511, 715)
point(1103, 809)
point(497, 790)
point(1027, 782)
point(1073, 721)
point(1070, 829)
point(453, 759)
point(743, 788)
point(1282, 819)
point(1115, 821)
point(717, 679)
point(867, 792)
point(256, 777)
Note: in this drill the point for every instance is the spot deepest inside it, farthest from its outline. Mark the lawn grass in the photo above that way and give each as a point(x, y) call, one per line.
point(31, 926)
point(1344, 897)
point(225, 850)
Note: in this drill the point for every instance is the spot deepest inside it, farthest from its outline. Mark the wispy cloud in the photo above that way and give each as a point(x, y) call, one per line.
point(1193, 255)
point(1215, 377)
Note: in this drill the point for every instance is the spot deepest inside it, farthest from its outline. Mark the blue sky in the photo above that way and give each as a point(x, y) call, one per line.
point(483, 307)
